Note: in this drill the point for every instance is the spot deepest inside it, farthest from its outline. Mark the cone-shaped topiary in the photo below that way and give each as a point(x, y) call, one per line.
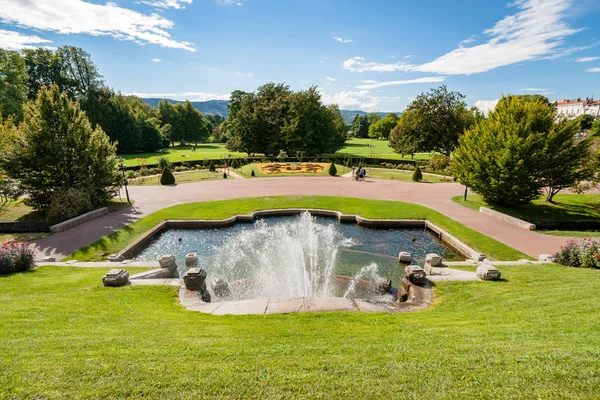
point(224, 175)
point(252, 173)
point(167, 177)
point(332, 170)
point(417, 175)
point(212, 167)
point(235, 164)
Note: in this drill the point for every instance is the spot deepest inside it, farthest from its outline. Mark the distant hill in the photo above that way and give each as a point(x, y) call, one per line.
point(220, 107)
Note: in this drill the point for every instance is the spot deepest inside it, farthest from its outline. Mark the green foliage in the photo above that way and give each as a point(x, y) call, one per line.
point(16, 257)
point(164, 162)
point(439, 162)
point(235, 164)
point(211, 167)
point(332, 170)
point(586, 121)
point(360, 126)
point(509, 157)
point(224, 175)
point(68, 203)
point(57, 149)
point(382, 128)
point(417, 175)
point(167, 177)
point(596, 128)
point(406, 137)
point(13, 91)
point(252, 173)
point(580, 253)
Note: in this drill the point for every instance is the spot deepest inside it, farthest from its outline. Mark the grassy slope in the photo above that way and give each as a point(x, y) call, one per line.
point(65, 336)
point(180, 178)
point(567, 207)
point(406, 176)
point(379, 148)
point(223, 209)
point(175, 154)
point(17, 211)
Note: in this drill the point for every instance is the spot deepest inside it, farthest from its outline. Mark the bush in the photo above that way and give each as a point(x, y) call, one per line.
point(332, 170)
point(212, 167)
point(580, 253)
point(16, 257)
point(224, 175)
point(68, 203)
point(439, 162)
point(167, 177)
point(235, 164)
point(163, 162)
point(417, 176)
point(252, 173)
point(181, 168)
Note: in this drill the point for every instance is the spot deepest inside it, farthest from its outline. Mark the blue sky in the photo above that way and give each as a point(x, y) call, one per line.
point(373, 55)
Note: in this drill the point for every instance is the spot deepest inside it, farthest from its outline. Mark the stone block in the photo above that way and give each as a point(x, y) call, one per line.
point(167, 261)
point(115, 277)
point(433, 259)
point(487, 272)
point(404, 257)
point(431, 270)
point(220, 288)
point(195, 280)
point(115, 258)
point(415, 274)
point(191, 260)
point(406, 283)
point(480, 257)
point(547, 258)
point(48, 259)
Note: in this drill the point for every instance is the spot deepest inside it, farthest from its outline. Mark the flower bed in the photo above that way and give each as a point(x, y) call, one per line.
point(580, 253)
point(292, 168)
point(16, 257)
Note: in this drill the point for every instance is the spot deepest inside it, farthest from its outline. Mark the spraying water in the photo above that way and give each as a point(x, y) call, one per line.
point(370, 273)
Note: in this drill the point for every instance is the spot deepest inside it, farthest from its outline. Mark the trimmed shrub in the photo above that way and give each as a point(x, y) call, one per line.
point(580, 253)
point(235, 164)
point(332, 170)
point(252, 173)
point(439, 162)
point(163, 162)
point(68, 203)
point(16, 257)
point(224, 175)
point(167, 177)
point(417, 175)
point(212, 167)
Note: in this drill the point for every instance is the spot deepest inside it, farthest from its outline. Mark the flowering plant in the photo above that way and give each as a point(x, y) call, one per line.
point(16, 257)
point(581, 253)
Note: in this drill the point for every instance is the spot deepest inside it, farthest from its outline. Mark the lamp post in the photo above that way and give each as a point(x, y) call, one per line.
point(122, 168)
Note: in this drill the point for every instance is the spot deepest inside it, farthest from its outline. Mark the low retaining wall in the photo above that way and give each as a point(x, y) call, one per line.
point(63, 226)
point(507, 218)
point(135, 247)
point(24, 227)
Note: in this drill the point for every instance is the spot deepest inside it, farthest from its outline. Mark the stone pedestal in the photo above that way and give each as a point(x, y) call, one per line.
point(433, 259)
point(48, 259)
point(116, 258)
point(547, 258)
point(116, 277)
point(195, 280)
point(415, 275)
point(404, 257)
point(191, 260)
point(220, 288)
point(167, 261)
point(487, 272)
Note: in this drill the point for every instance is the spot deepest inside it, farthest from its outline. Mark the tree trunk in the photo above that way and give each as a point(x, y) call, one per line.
point(466, 189)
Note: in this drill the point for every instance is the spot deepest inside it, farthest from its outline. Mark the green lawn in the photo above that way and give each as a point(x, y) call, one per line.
point(223, 209)
point(567, 207)
point(247, 169)
point(22, 237)
point(377, 149)
point(180, 178)
point(176, 154)
point(18, 211)
point(63, 335)
point(399, 175)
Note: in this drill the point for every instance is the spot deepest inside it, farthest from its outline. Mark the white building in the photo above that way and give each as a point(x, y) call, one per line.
point(575, 108)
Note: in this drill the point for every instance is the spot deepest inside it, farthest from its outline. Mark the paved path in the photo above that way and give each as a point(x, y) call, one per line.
point(436, 196)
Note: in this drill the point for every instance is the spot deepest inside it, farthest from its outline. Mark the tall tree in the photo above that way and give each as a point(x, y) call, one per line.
point(373, 118)
point(405, 137)
point(360, 126)
point(13, 91)
point(192, 124)
point(57, 149)
point(382, 128)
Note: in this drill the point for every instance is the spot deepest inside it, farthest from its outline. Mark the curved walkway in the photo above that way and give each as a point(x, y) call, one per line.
point(435, 196)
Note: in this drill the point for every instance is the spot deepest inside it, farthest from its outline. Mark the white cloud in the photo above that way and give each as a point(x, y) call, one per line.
point(368, 81)
point(533, 90)
point(80, 17)
point(408, 56)
point(238, 3)
point(358, 64)
point(176, 4)
point(245, 74)
point(468, 40)
point(341, 40)
point(352, 100)
point(191, 96)
point(586, 59)
point(486, 106)
point(10, 40)
point(328, 79)
point(429, 79)
point(595, 69)
point(536, 31)
point(156, 60)
point(320, 62)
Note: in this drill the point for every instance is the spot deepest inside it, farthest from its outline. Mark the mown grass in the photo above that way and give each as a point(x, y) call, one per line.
point(405, 176)
point(17, 211)
point(377, 149)
point(63, 335)
point(22, 237)
point(204, 151)
point(378, 209)
point(180, 178)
